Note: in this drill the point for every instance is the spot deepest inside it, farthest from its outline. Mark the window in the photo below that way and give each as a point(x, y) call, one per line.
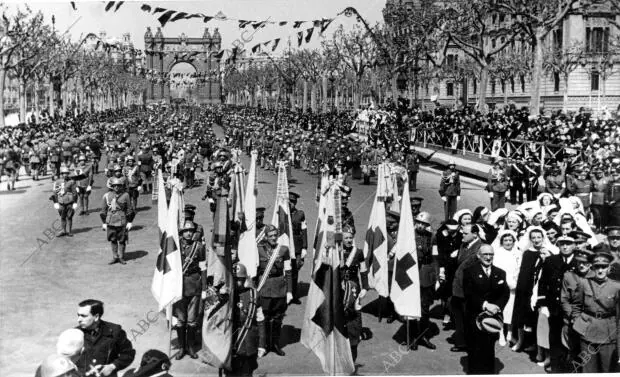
point(475, 86)
point(597, 39)
point(522, 78)
point(493, 43)
point(512, 84)
point(450, 89)
point(556, 82)
point(501, 18)
point(492, 86)
point(451, 60)
point(557, 39)
point(594, 77)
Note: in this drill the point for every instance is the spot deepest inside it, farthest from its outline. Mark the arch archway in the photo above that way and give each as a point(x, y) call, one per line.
point(182, 80)
point(164, 53)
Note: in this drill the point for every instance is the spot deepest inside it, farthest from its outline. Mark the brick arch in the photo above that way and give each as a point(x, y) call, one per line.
point(162, 53)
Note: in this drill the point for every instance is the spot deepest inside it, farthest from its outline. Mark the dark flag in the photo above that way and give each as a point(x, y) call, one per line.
point(163, 19)
point(309, 32)
point(275, 44)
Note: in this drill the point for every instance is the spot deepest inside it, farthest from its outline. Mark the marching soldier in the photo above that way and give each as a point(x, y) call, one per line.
point(275, 289)
point(428, 269)
point(194, 258)
point(595, 317)
point(64, 197)
point(532, 172)
point(600, 188)
point(117, 172)
point(497, 185)
point(346, 215)
point(134, 181)
point(416, 205)
point(190, 212)
point(55, 161)
point(517, 181)
point(248, 322)
point(450, 189)
point(84, 185)
point(413, 166)
point(117, 215)
point(145, 163)
point(300, 239)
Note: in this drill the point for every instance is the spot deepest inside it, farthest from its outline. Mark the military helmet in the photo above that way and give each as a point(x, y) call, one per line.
point(56, 365)
point(187, 225)
point(423, 217)
point(64, 169)
point(117, 168)
point(116, 182)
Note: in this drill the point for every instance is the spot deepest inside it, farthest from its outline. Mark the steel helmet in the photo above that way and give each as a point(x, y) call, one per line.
point(117, 168)
point(56, 365)
point(423, 217)
point(187, 225)
point(64, 169)
point(240, 271)
point(70, 342)
point(116, 182)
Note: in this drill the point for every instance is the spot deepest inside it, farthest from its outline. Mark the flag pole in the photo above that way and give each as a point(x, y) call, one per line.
point(170, 333)
point(407, 319)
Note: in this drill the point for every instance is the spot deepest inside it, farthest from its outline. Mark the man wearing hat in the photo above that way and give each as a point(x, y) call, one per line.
point(497, 184)
point(416, 205)
point(555, 181)
point(549, 294)
point(600, 192)
point(571, 295)
point(428, 269)
point(613, 204)
point(55, 160)
point(275, 287)
point(64, 197)
point(346, 214)
point(117, 172)
point(486, 291)
point(532, 173)
point(581, 239)
point(595, 317)
point(145, 166)
point(517, 180)
point(134, 180)
point(260, 224)
point(189, 212)
point(117, 215)
point(612, 244)
point(300, 239)
point(450, 189)
point(248, 322)
point(413, 166)
point(84, 185)
point(194, 262)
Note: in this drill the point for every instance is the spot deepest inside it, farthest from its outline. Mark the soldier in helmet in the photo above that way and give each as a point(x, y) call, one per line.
point(84, 185)
point(133, 179)
point(194, 258)
point(450, 189)
point(428, 269)
point(190, 212)
point(65, 200)
point(58, 366)
point(117, 172)
point(275, 288)
point(248, 322)
point(117, 215)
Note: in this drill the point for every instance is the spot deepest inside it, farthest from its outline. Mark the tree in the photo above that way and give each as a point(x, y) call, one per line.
point(19, 43)
point(537, 18)
point(562, 62)
point(475, 32)
point(509, 64)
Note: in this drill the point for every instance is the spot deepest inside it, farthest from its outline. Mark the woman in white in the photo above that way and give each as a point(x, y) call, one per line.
point(508, 258)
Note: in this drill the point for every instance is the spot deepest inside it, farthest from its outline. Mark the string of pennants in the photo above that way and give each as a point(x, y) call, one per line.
point(165, 16)
point(107, 47)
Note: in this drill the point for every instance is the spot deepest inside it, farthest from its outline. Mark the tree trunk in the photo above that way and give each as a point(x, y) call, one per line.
point(305, 98)
point(36, 100)
point(394, 90)
point(22, 101)
point(484, 78)
point(565, 96)
point(2, 77)
point(336, 97)
point(505, 85)
point(313, 97)
point(536, 75)
point(50, 92)
point(325, 98)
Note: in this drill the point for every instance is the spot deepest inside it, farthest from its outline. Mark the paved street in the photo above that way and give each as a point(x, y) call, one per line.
point(42, 278)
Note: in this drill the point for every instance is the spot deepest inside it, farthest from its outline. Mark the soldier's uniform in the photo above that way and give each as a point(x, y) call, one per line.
point(497, 185)
point(450, 189)
point(273, 293)
point(187, 310)
point(84, 184)
point(600, 188)
point(55, 160)
point(64, 197)
point(133, 180)
point(580, 186)
point(248, 318)
point(416, 205)
point(595, 319)
point(117, 215)
point(300, 239)
point(199, 233)
point(555, 181)
point(413, 166)
point(260, 225)
point(613, 206)
point(145, 163)
point(532, 172)
point(517, 182)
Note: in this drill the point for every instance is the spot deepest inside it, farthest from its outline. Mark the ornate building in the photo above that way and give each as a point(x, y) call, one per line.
point(593, 83)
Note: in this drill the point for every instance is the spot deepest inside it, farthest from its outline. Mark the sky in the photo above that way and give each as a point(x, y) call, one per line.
point(90, 16)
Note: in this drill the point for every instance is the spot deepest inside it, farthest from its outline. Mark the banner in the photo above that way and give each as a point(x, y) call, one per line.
point(248, 250)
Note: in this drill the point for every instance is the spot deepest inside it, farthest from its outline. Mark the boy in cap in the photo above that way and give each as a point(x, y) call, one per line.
point(596, 317)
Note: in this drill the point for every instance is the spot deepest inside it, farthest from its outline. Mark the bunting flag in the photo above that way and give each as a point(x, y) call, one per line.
point(282, 23)
point(300, 37)
point(325, 24)
point(323, 330)
point(405, 292)
point(145, 8)
point(375, 246)
point(217, 326)
point(275, 44)
point(309, 32)
point(243, 24)
point(73, 5)
point(248, 250)
point(256, 48)
point(163, 19)
point(167, 284)
point(298, 24)
point(282, 213)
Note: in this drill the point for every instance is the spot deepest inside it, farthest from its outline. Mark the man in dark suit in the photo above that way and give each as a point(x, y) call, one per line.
point(549, 299)
point(466, 257)
point(485, 289)
point(106, 347)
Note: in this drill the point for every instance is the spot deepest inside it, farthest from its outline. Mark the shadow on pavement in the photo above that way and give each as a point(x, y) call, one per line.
point(19, 191)
point(463, 362)
point(94, 210)
point(137, 227)
point(302, 289)
point(372, 307)
point(131, 255)
point(290, 334)
point(145, 208)
point(82, 230)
